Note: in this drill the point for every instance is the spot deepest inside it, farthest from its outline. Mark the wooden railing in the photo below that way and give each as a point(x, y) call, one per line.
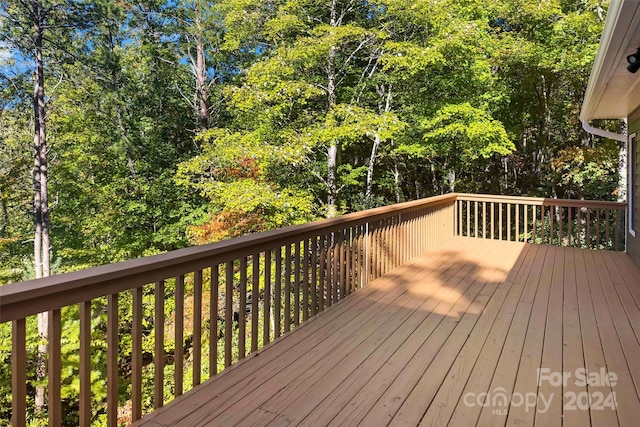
point(200, 309)
point(579, 223)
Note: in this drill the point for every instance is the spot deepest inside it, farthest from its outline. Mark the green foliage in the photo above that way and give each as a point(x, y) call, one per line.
point(234, 172)
point(587, 173)
point(465, 132)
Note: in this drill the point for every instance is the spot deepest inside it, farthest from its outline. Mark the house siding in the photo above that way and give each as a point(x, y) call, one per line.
point(633, 243)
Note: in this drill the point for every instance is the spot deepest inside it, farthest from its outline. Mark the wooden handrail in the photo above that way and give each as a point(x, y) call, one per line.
point(18, 300)
point(542, 201)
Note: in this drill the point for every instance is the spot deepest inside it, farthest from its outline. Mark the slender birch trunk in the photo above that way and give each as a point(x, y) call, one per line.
point(42, 244)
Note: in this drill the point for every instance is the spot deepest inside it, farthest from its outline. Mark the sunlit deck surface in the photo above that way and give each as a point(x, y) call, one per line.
point(420, 345)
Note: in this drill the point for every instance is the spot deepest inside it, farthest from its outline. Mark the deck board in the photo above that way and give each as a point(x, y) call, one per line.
point(420, 344)
point(496, 348)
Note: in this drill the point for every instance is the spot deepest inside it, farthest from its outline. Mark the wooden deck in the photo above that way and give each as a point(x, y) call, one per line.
point(469, 323)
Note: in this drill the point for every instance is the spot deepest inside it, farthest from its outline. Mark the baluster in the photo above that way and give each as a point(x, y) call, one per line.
point(255, 297)
point(305, 281)
point(542, 224)
point(197, 327)
point(468, 219)
point(136, 355)
point(322, 283)
point(570, 222)
point(213, 320)
point(500, 208)
point(617, 230)
point(509, 221)
point(588, 230)
point(459, 213)
point(228, 313)
point(475, 219)
point(54, 403)
point(267, 298)
point(158, 357)
point(526, 223)
point(534, 218)
point(277, 315)
point(242, 309)
point(597, 228)
point(85, 366)
point(179, 336)
point(607, 225)
point(287, 288)
point(551, 230)
point(112, 360)
point(296, 284)
point(517, 236)
point(314, 275)
point(19, 373)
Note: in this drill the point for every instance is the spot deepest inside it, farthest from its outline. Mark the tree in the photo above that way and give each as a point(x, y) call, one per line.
point(35, 13)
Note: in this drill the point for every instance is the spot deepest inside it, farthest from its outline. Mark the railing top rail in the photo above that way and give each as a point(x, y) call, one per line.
point(18, 300)
point(541, 201)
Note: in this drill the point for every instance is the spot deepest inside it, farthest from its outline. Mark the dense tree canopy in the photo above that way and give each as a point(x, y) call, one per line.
point(168, 121)
point(172, 123)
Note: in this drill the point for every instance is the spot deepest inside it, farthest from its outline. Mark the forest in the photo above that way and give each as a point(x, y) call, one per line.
point(131, 128)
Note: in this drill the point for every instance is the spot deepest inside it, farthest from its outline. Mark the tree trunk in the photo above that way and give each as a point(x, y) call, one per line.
point(332, 190)
point(451, 176)
point(372, 161)
point(622, 168)
point(123, 132)
point(332, 150)
point(384, 106)
point(5, 219)
point(396, 178)
point(40, 201)
point(200, 71)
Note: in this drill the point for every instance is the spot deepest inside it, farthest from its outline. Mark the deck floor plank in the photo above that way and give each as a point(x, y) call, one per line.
point(481, 349)
point(619, 308)
point(630, 293)
point(472, 316)
point(424, 342)
point(628, 406)
point(336, 390)
point(505, 373)
point(502, 349)
point(594, 359)
point(573, 358)
point(548, 413)
point(426, 370)
point(529, 362)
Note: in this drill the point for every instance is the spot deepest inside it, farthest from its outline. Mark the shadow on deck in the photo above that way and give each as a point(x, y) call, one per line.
point(476, 332)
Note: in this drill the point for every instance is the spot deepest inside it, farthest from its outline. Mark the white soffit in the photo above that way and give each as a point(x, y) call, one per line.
point(613, 92)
